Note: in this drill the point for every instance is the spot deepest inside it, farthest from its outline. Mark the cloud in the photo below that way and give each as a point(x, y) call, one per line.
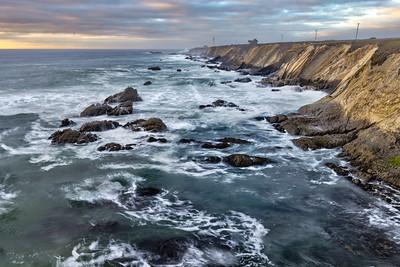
point(180, 23)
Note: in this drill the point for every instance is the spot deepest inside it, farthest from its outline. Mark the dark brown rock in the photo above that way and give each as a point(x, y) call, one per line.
point(129, 94)
point(179, 70)
point(69, 136)
point(153, 139)
point(148, 83)
point(151, 125)
point(112, 147)
point(186, 141)
point(99, 126)
point(243, 160)
point(95, 110)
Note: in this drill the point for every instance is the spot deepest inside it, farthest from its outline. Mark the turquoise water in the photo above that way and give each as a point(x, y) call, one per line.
point(73, 206)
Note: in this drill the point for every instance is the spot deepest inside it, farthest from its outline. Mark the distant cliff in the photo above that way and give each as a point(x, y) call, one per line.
point(362, 112)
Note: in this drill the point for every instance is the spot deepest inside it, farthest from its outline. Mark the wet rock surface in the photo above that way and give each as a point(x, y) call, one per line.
point(69, 136)
point(153, 139)
point(221, 103)
point(154, 68)
point(148, 191)
point(232, 140)
point(339, 170)
point(150, 125)
point(221, 145)
point(147, 83)
point(243, 80)
point(99, 126)
point(124, 108)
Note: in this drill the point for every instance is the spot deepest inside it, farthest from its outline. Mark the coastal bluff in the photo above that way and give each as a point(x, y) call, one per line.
point(360, 114)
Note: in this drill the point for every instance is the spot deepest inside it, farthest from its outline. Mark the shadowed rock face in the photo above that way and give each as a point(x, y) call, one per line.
point(69, 136)
point(362, 112)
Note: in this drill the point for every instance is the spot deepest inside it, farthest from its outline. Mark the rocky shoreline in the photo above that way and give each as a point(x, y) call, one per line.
point(361, 114)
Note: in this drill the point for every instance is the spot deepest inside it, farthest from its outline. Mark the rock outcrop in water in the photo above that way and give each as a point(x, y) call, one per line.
point(99, 126)
point(96, 110)
point(112, 147)
point(129, 94)
point(361, 114)
point(69, 136)
point(243, 160)
point(150, 125)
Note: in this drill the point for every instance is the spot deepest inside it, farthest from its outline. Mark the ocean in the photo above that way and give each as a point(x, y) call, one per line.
point(71, 205)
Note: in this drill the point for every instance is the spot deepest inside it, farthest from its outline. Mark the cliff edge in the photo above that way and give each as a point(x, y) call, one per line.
point(361, 114)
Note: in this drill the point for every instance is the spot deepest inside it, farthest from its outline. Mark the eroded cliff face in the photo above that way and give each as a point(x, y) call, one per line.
point(362, 112)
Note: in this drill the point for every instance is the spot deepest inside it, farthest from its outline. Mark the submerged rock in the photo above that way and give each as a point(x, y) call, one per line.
point(148, 191)
point(69, 136)
point(186, 141)
point(243, 160)
point(243, 80)
point(151, 125)
point(129, 94)
point(154, 68)
point(215, 145)
point(95, 110)
point(210, 159)
point(179, 70)
point(67, 122)
point(232, 140)
point(99, 126)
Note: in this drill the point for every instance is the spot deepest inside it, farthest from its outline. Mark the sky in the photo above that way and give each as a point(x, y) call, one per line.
point(152, 24)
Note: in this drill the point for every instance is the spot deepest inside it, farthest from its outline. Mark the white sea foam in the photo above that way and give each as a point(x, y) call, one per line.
point(6, 199)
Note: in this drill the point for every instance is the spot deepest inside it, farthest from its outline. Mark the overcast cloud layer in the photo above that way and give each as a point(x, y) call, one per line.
point(179, 23)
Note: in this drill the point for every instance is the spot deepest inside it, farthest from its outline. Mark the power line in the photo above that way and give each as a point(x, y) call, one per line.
point(358, 27)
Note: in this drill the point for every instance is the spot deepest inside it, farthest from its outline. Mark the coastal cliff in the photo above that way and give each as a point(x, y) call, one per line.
point(361, 114)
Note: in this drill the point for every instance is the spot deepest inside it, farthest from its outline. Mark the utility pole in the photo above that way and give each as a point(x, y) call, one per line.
point(358, 27)
point(316, 34)
point(213, 40)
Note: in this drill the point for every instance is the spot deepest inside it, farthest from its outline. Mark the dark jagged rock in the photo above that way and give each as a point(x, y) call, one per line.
point(179, 70)
point(152, 139)
point(215, 146)
point(95, 110)
point(243, 160)
point(275, 90)
point(69, 136)
point(186, 141)
point(232, 140)
point(114, 147)
point(243, 80)
point(339, 170)
point(171, 251)
point(151, 125)
point(125, 108)
point(154, 68)
point(147, 83)
point(212, 67)
point(99, 126)
point(277, 118)
point(210, 159)
point(67, 122)
point(129, 94)
point(148, 191)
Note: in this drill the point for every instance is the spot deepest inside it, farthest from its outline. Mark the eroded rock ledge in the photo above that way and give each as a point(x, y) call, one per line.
point(361, 114)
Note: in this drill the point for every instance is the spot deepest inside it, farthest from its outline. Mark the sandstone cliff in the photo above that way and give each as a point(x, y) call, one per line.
point(362, 111)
